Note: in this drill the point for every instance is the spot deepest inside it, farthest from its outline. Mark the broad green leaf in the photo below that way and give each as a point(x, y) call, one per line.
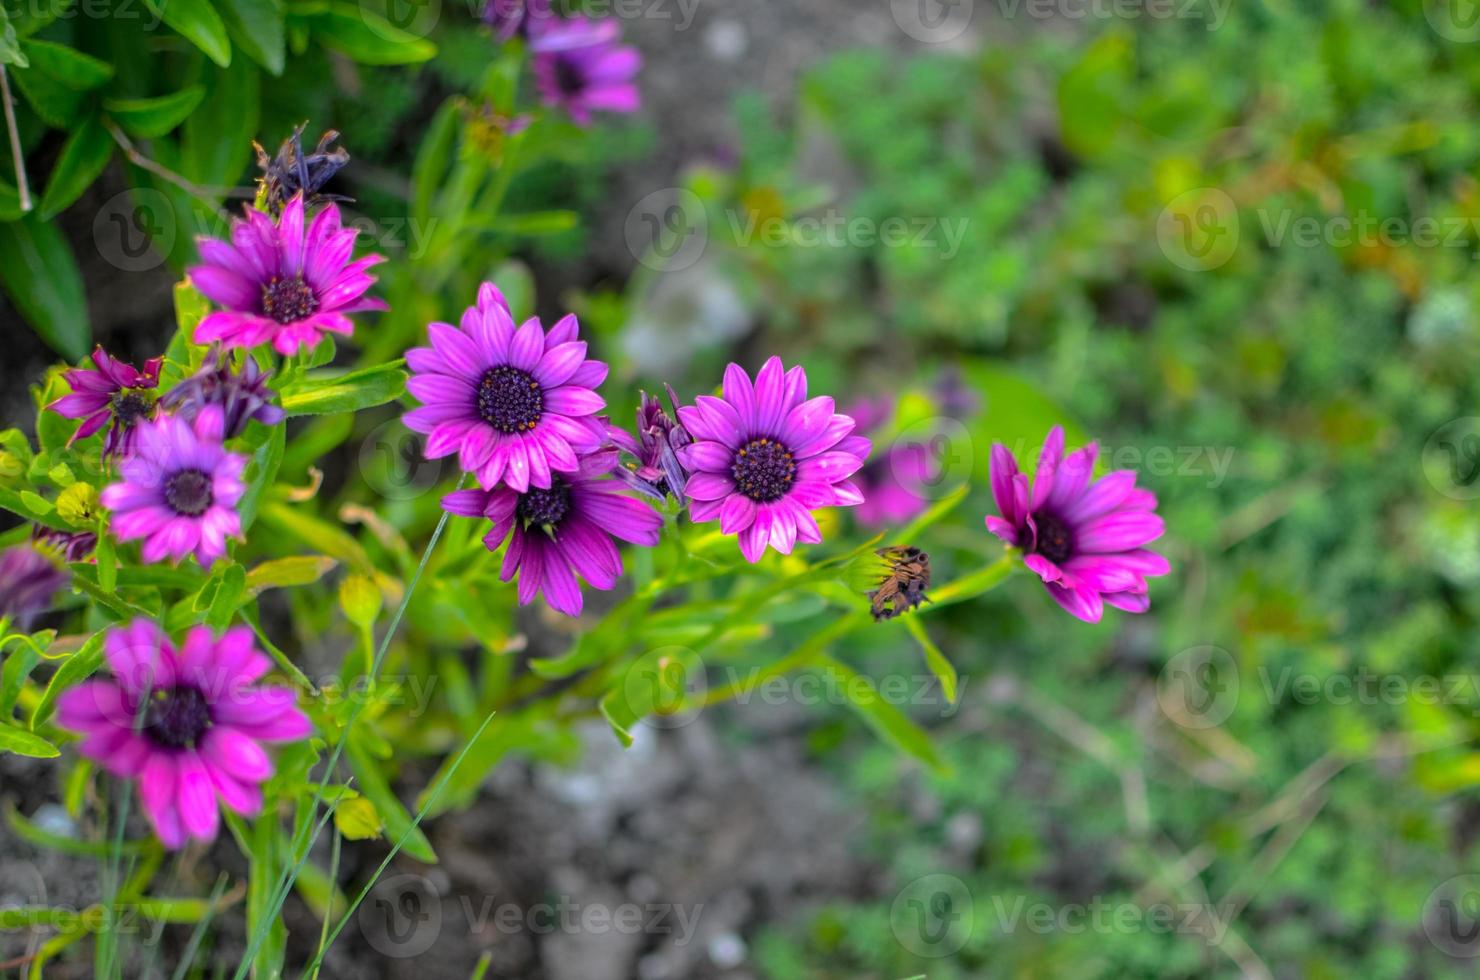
point(257, 28)
point(432, 158)
point(150, 118)
point(393, 813)
point(84, 155)
point(22, 742)
point(283, 573)
point(39, 274)
point(198, 21)
point(216, 139)
point(10, 202)
point(228, 597)
point(346, 393)
point(534, 223)
point(304, 528)
point(267, 459)
point(369, 38)
point(74, 670)
point(67, 65)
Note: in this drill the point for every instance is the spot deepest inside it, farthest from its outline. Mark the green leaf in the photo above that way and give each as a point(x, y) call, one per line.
point(887, 721)
point(257, 28)
point(149, 118)
point(357, 819)
point(22, 742)
point(284, 573)
point(198, 21)
point(942, 668)
point(346, 393)
point(267, 459)
point(68, 66)
point(216, 140)
point(85, 154)
point(432, 157)
point(228, 597)
point(369, 38)
point(39, 274)
point(10, 50)
point(74, 670)
point(533, 223)
point(392, 812)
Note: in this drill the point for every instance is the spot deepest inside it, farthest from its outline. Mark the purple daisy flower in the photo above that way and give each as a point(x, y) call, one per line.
point(241, 395)
point(179, 490)
point(515, 404)
point(562, 531)
point(1084, 539)
point(280, 283)
point(580, 66)
point(885, 482)
point(28, 580)
point(765, 456)
point(186, 723)
point(110, 390)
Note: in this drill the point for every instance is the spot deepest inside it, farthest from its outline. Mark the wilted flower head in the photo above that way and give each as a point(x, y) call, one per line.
point(292, 171)
point(187, 723)
point(179, 490)
point(902, 576)
point(511, 18)
point(28, 580)
point(280, 283)
point(658, 471)
point(517, 404)
point(113, 390)
point(764, 457)
point(580, 66)
point(66, 545)
point(241, 395)
point(1084, 540)
point(562, 531)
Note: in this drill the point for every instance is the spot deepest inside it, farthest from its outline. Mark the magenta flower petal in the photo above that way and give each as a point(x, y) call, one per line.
point(114, 391)
point(1083, 539)
point(506, 401)
point(281, 283)
point(164, 718)
point(764, 456)
point(180, 491)
point(580, 67)
point(562, 534)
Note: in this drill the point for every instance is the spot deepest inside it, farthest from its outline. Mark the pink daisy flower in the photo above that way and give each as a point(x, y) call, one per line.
point(580, 66)
point(562, 531)
point(115, 391)
point(764, 457)
point(280, 283)
point(186, 723)
point(516, 404)
point(1083, 539)
point(179, 490)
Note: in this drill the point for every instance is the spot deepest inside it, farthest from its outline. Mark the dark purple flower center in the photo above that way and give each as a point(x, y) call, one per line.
point(764, 470)
point(545, 507)
point(569, 77)
point(188, 492)
point(509, 399)
point(288, 300)
point(1055, 539)
point(132, 404)
point(176, 717)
